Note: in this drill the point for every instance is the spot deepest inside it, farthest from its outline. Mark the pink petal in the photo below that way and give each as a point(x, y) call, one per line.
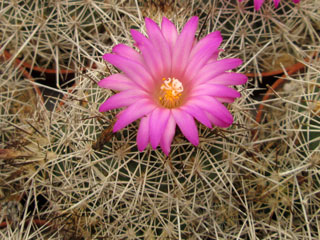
point(182, 48)
point(118, 82)
point(134, 70)
point(217, 122)
point(122, 99)
point(169, 32)
point(213, 69)
point(257, 4)
point(197, 113)
point(157, 123)
point(276, 3)
point(160, 43)
point(187, 125)
point(152, 57)
point(128, 52)
point(168, 135)
point(207, 42)
point(133, 112)
point(212, 106)
point(214, 56)
point(215, 90)
point(296, 1)
point(225, 99)
point(143, 133)
point(229, 78)
point(202, 53)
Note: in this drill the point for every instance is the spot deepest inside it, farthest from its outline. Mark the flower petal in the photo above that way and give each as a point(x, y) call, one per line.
point(229, 78)
point(187, 125)
point(257, 4)
point(225, 99)
point(182, 48)
point(133, 112)
point(118, 82)
point(214, 56)
point(157, 123)
point(143, 133)
point(122, 99)
point(168, 135)
point(169, 32)
point(217, 122)
point(197, 113)
point(134, 70)
point(212, 106)
point(152, 57)
point(213, 69)
point(160, 43)
point(209, 41)
point(202, 52)
point(215, 90)
point(128, 52)
point(276, 3)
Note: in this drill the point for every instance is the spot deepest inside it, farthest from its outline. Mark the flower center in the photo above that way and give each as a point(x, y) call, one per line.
point(171, 91)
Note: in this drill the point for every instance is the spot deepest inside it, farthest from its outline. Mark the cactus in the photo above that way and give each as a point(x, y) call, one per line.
point(65, 175)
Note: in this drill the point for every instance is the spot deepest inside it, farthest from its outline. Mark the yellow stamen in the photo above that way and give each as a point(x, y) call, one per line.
point(171, 91)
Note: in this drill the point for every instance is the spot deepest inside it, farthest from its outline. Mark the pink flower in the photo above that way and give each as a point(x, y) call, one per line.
point(174, 80)
point(258, 3)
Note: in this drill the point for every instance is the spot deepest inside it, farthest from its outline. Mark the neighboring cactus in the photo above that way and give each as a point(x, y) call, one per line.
point(271, 37)
point(310, 113)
